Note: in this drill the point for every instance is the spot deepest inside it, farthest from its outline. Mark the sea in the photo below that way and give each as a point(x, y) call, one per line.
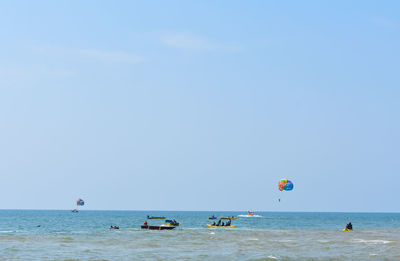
point(63, 235)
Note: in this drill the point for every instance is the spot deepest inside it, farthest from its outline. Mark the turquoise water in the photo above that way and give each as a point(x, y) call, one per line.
point(62, 235)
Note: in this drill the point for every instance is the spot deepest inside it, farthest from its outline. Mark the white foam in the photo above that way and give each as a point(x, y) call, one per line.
point(272, 257)
point(249, 216)
point(373, 241)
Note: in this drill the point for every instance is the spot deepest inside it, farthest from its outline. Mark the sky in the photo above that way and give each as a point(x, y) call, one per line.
point(200, 105)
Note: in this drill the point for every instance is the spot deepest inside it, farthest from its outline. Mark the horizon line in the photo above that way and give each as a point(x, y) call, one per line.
point(261, 211)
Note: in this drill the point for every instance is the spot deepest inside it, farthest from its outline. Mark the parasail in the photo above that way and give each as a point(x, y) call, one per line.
point(285, 184)
point(80, 202)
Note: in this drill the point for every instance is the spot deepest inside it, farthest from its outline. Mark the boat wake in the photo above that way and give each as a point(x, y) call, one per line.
point(250, 216)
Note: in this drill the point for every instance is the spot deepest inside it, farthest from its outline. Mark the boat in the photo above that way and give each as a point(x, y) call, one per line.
point(346, 229)
point(162, 227)
point(250, 214)
point(150, 217)
point(208, 225)
point(212, 217)
point(171, 223)
point(227, 217)
point(74, 211)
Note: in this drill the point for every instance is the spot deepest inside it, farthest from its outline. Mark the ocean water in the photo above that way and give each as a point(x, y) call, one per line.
point(63, 235)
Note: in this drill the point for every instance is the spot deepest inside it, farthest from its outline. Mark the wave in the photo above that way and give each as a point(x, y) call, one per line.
point(373, 241)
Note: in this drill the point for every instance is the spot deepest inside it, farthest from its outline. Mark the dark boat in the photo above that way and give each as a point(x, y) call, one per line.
point(149, 217)
point(157, 227)
point(75, 211)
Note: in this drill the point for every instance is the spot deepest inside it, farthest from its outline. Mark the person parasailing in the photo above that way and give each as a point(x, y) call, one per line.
point(285, 185)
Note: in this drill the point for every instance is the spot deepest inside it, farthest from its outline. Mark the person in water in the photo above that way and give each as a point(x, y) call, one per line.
point(223, 224)
point(145, 223)
point(214, 223)
point(228, 223)
point(349, 226)
point(219, 222)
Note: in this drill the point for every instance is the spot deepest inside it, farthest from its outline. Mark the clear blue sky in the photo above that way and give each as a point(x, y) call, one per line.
point(200, 105)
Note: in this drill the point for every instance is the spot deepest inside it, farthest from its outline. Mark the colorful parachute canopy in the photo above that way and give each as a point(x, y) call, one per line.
point(80, 202)
point(285, 184)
